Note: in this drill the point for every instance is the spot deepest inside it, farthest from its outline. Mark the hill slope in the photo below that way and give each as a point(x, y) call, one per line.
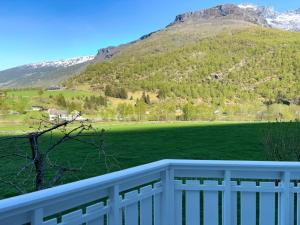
point(212, 57)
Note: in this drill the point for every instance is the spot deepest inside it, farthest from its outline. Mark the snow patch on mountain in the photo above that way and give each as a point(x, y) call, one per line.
point(287, 21)
point(248, 6)
point(281, 20)
point(62, 63)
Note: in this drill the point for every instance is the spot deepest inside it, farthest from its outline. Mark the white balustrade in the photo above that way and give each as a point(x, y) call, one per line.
point(168, 192)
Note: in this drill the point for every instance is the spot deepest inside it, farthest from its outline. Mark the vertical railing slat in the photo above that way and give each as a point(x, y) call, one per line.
point(234, 217)
point(292, 206)
point(227, 206)
point(192, 204)
point(168, 207)
point(37, 217)
point(73, 218)
point(267, 204)
point(211, 204)
point(157, 205)
point(114, 217)
point(146, 207)
point(131, 211)
point(92, 210)
point(284, 212)
point(248, 204)
point(178, 204)
point(51, 222)
point(298, 206)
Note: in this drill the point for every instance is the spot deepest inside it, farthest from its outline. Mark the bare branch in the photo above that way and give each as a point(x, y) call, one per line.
point(39, 163)
point(66, 137)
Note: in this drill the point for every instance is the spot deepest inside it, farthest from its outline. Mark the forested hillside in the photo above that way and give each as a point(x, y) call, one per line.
point(236, 66)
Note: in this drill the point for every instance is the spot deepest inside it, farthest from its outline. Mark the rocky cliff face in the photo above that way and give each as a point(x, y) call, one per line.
point(227, 11)
point(260, 15)
point(106, 53)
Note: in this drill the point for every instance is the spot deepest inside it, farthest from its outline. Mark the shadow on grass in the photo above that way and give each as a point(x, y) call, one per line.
point(138, 144)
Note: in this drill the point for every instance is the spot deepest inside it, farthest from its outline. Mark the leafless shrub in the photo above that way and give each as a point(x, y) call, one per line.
point(31, 153)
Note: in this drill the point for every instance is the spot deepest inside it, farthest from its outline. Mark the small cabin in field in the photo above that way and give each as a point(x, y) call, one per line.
point(37, 108)
point(55, 114)
point(53, 88)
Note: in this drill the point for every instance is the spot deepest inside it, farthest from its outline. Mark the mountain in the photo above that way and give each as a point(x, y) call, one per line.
point(186, 30)
point(259, 15)
point(223, 55)
point(43, 74)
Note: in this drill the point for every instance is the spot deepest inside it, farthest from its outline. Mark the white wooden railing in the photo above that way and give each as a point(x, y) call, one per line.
point(169, 192)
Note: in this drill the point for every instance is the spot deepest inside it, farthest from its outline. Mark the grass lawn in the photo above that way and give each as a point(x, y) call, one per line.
point(137, 143)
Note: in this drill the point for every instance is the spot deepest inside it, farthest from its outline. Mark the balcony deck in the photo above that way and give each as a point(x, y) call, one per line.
point(168, 192)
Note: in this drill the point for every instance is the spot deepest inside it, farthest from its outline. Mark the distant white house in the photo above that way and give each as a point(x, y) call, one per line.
point(77, 116)
point(55, 114)
point(37, 108)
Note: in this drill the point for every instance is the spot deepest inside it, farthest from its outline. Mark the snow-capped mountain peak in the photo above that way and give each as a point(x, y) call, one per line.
point(281, 20)
point(62, 63)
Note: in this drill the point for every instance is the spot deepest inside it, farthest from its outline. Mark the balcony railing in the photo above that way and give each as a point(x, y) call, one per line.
point(169, 192)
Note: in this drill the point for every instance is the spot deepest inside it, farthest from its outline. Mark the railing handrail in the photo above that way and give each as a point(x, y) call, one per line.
point(40, 198)
point(79, 186)
point(231, 164)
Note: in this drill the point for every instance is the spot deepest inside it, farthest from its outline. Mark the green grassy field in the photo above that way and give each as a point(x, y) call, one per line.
point(134, 144)
point(35, 93)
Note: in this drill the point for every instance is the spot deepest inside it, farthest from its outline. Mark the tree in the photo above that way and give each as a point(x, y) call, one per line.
point(189, 112)
point(40, 92)
point(39, 158)
point(20, 107)
point(162, 93)
point(109, 91)
point(146, 98)
point(125, 111)
point(116, 93)
point(61, 101)
point(122, 93)
point(140, 109)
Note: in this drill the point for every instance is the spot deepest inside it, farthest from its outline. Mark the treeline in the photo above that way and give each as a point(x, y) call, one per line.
point(116, 92)
point(81, 104)
point(169, 111)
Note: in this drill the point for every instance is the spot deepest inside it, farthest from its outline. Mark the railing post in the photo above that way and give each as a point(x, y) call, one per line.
point(114, 217)
point(37, 217)
point(285, 200)
point(168, 207)
point(227, 198)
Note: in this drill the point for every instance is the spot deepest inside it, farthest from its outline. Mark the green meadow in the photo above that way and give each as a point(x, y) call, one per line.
point(133, 144)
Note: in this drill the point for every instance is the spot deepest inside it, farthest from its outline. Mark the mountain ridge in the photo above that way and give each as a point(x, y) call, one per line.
point(43, 74)
point(229, 15)
point(260, 16)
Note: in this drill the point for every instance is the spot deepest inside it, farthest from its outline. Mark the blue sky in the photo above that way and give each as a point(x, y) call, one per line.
point(39, 30)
